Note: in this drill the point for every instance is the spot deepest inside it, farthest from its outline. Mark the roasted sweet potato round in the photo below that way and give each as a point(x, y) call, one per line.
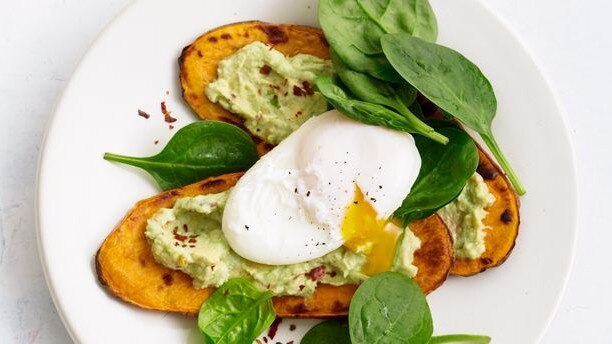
point(126, 267)
point(503, 221)
point(199, 61)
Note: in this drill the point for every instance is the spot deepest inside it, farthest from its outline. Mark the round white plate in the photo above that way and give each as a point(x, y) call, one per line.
point(133, 65)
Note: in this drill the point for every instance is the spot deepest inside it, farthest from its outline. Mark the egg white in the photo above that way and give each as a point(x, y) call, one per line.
point(289, 207)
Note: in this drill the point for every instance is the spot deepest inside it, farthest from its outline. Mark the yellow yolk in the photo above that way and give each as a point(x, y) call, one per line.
point(364, 232)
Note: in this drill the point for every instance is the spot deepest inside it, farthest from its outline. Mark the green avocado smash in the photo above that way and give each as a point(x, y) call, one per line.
point(464, 217)
point(273, 93)
point(189, 238)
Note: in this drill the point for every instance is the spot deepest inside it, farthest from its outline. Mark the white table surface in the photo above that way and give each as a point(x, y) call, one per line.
point(42, 41)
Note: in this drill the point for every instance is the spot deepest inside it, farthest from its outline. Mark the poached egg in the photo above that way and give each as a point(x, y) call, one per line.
point(332, 182)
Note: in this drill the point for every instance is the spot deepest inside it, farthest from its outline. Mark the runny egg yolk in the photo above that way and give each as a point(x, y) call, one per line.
point(364, 232)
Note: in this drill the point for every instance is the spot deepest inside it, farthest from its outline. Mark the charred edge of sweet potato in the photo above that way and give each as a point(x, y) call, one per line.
point(494, 256)
point(436, 255)
point(125, 249)
point(98, 267)
point(195, 73)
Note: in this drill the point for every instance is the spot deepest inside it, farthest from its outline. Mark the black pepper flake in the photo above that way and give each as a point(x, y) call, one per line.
point(246, 227)
point(308, 194)
point(292, 327)
point(355, 202)
point(156, 142)
point(380, 186)
point(373, 199)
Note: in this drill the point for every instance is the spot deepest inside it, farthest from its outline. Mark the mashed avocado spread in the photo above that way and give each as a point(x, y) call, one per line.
point(464, 217)
point(189, 238)
point(273, 93)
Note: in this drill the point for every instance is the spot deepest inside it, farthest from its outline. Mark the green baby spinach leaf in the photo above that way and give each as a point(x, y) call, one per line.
point(328, 332)
point(389, 308)
point(354, 28)
point(396, 96)
point(237, 313)
point(460, 338)
point(199, 150)
point(444, 172)
point(453, 83)
point(372, 114)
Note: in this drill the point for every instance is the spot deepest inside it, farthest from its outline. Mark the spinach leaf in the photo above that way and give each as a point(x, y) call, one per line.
point(460, 338)
point(199, 150)
point(396, 96)
point(451, 82)
point(389, 308)
point(372, 114)
point(328, 332)
point(236, 313)
point(444, 171)
point(354, 28)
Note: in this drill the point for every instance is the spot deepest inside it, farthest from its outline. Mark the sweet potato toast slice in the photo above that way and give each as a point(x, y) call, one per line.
point(503, 219)
point(199, 61)
point(126, 267)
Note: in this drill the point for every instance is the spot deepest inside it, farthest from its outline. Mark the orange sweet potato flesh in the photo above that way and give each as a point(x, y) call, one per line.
point(503, 221)
point(126, 267)
point(199, 61)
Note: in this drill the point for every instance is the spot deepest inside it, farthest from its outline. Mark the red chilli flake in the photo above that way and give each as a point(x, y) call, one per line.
point(307, 88)
point(298, 92)
point(317, 273)
point(274, 328)
point(178, 237)
point(143, 114)
point(167, 117)
point(275, 34)
point(265, 70)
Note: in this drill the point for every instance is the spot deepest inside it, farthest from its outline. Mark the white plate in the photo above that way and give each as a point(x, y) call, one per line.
point(133, 64)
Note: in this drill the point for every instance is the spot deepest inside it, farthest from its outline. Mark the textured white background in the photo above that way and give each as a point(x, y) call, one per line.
point(42, 41)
